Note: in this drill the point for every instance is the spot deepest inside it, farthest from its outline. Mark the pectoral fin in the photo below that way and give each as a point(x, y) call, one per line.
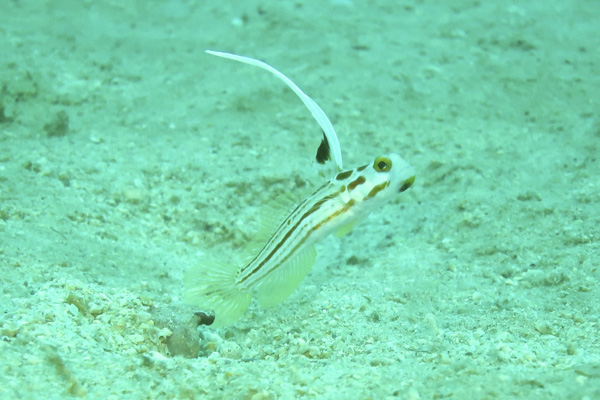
point(344, 229)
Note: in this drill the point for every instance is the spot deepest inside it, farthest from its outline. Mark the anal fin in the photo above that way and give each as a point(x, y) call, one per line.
point(283, 281)
point(344, 229)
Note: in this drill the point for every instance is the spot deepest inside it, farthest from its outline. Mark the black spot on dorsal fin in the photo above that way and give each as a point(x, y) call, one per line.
point(323, 152)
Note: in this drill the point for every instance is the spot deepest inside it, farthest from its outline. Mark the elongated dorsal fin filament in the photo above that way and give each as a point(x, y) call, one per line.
point(314, 108)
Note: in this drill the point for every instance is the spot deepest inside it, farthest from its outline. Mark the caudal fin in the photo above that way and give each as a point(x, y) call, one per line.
point(212, 286)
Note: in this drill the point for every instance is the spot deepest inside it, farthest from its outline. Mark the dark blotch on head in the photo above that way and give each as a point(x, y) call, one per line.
point(407, 183)
point(358, 181)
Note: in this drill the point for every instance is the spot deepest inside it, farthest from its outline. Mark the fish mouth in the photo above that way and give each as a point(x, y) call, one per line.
point(406, 184)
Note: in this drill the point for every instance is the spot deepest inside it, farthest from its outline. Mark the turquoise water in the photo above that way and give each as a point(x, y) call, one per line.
point(127, 156)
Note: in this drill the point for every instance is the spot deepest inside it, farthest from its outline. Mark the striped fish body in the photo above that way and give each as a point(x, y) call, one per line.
point(288, 255)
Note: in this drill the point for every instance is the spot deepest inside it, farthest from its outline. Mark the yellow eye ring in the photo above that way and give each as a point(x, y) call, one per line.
point(382, 164)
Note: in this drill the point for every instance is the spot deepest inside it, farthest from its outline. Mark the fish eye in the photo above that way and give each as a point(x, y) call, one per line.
point(382, 164)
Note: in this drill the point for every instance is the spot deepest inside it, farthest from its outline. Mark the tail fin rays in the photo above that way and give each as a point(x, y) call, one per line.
point(212, 286)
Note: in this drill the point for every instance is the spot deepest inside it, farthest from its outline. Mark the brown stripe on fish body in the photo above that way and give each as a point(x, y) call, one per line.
point(312, 229)
point(299, 209)
point(280, 241)
point(277, 242)
point(274, 236)
point(326, 187)
point(342, 210)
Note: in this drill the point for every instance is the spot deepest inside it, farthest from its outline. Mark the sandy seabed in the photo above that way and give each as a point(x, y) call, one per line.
point(127, 155)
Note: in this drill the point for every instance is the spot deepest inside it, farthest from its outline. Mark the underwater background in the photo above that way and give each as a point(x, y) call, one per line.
point(128, 155)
